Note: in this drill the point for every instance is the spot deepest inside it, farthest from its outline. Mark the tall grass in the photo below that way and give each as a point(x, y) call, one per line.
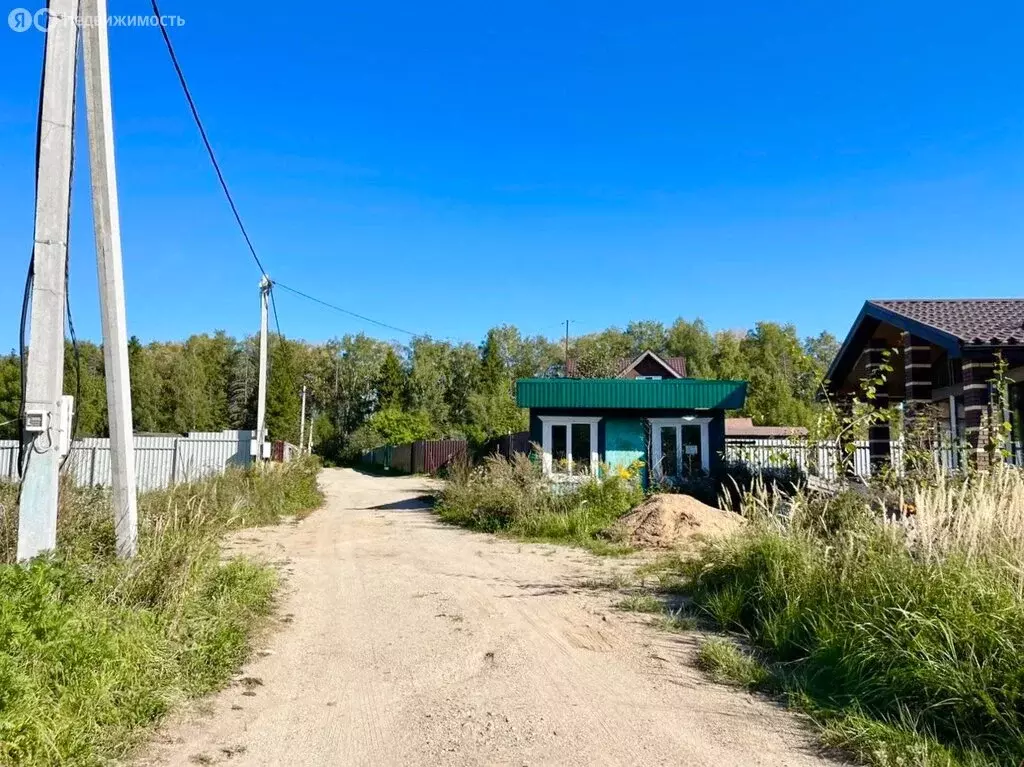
point(93, 649)
point(512, 496)
point(906, 638)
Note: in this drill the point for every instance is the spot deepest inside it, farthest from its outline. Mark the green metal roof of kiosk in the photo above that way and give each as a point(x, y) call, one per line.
point(630, 393)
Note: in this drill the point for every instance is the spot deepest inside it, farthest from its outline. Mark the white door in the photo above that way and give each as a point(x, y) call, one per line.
point(679, 447)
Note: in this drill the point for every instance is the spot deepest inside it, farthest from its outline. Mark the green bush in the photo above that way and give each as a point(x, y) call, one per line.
point(94, 649)
point(870, 625)
point(511, 495)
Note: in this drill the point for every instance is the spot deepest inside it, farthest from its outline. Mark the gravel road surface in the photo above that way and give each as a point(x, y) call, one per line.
point(403, 641)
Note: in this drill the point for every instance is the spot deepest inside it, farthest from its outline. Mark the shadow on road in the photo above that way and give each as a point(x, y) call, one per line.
point(419, 503)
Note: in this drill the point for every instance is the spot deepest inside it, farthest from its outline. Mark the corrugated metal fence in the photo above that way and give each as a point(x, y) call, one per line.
point(423, 457)
point(509, 445)
point(160, 461)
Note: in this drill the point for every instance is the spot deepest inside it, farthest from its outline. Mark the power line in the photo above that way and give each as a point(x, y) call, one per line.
point(273, 303)
point(346, 311)
point(206, 140)
point(227, 193)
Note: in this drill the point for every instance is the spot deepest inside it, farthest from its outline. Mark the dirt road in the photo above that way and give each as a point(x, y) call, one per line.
point(407, 642)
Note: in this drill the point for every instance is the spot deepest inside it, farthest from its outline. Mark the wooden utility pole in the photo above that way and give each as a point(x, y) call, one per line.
point(302, 420)
point(107, 226)
point(261, 406)
point(44, 375)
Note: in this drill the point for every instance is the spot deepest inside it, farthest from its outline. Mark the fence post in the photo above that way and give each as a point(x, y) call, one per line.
point(92, 467)
point(174, 464)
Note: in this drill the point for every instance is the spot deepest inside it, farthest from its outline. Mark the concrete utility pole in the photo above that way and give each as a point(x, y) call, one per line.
point(312, 420)
point(44, 386)
point(261, 407)
point(302, 420)
point(107, 225)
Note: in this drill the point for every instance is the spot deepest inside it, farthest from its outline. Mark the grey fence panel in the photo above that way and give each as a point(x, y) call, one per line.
point(206, 455)
point(160, 461)
point(8, 460)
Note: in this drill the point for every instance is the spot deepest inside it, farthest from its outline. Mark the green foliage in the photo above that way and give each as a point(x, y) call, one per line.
point(10, 396)
point(94, 650)
point(209, 382)
point(284, 391)
point(641, 603)
point(391, 382)
point(726, 662)
point(393, 426)
point(513, 497)
point(901, 643)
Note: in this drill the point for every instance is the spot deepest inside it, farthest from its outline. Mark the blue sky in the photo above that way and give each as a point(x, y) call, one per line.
point(446, 166)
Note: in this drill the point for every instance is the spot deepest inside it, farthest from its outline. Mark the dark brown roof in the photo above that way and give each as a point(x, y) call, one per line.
point(997, 321)
point(744, 427)
point(677, 364)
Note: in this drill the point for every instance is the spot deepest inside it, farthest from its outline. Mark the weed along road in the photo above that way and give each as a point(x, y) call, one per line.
point(403, 641)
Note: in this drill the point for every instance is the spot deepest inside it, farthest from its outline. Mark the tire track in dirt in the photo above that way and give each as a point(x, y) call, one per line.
point(412, 643)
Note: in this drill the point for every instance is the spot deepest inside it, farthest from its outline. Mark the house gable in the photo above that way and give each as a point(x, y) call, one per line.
point(650, 365)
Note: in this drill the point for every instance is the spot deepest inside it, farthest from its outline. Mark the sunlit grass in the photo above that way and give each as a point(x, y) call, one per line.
point(94, 650)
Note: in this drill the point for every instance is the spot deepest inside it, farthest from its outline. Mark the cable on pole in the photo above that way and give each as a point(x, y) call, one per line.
point(346, 311)
point(273, 304)
point(206, 140)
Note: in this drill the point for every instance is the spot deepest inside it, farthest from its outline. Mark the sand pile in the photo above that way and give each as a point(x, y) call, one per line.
point(668, 521)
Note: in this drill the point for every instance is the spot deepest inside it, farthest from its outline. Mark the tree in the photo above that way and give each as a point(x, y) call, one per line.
point(783, 378)
point(645, 335)
point(10, 397)
point(391, 381)
point(243, 381)
point(692, 341)
point(600, 355)
point(822, 349)
point(464, 371)
point(433, 388)
point(428, 379)
point(83, 377)
point(392, 426)
point(145, 383)
point(284, 402)
point(727, 361)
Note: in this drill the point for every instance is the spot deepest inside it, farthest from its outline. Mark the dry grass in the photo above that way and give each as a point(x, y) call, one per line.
point(981, 520)
point(93, 650)
point(512, 496)
point(903, 637)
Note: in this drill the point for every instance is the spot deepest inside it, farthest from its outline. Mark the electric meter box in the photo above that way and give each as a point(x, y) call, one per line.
point(37, 420)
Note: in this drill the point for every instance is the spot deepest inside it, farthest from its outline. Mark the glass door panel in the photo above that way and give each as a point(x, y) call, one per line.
point(693, 460)
point(581, 448)
point(669, 465)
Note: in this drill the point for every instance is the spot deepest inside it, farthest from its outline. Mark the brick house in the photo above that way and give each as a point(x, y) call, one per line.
point(945, 354)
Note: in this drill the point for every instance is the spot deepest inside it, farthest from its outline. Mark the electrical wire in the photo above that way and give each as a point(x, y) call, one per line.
point(346, 311)
point(31, 272)
point(67, 274)
point(78, 373)
point(227, 193)
point(206, 140)
point(273, 303)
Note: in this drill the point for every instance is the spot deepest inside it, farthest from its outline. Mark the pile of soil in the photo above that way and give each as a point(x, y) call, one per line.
point(668, 521)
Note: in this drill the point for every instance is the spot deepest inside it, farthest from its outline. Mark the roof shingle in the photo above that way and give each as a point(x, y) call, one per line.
point(972, 320)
